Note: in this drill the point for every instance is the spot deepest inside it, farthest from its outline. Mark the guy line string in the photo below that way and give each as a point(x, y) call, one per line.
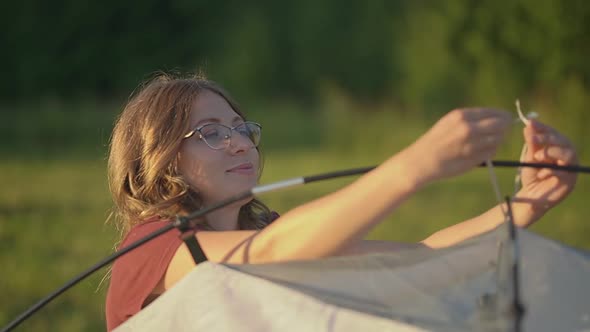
point(493, 179)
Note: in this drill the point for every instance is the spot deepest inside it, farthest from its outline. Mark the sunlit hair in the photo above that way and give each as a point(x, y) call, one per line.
point(144, 179)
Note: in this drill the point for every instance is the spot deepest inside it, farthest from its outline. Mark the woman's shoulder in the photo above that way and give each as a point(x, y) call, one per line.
point(146, 227)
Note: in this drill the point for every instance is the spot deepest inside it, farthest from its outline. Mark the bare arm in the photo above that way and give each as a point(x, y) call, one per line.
point(473, 227)
point(331, 225)
point(378, 246)
point(335, 223)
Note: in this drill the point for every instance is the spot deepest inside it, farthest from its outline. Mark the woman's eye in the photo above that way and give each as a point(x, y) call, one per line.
point(211, 133)
point(243, 131)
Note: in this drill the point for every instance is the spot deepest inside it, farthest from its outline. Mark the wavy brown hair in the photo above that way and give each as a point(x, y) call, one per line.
point(144, 179)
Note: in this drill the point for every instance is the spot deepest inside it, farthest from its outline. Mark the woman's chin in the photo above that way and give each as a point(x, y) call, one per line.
point(244, 181)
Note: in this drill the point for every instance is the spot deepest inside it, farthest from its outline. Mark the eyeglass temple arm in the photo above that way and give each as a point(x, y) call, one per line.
point(190, 133)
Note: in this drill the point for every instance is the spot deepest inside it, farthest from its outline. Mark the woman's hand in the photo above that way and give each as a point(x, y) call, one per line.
point(459, 141)
point(544, 188)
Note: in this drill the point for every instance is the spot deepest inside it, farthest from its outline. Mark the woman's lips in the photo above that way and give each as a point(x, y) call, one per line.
point(245, 168)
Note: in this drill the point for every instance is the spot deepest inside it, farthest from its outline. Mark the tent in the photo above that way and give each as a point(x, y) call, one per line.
point(467, 287)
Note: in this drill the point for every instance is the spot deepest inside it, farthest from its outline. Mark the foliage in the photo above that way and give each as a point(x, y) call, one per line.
point(428, 56)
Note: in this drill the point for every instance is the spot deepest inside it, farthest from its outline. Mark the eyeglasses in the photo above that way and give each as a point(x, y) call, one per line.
point(218, 136)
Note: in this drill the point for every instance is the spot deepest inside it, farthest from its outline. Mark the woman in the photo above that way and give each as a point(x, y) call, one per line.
point(182, 144)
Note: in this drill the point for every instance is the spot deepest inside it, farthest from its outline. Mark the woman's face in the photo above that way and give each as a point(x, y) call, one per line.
point(217, 174)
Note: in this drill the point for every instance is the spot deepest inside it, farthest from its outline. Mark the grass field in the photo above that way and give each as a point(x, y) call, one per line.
point(54, 197)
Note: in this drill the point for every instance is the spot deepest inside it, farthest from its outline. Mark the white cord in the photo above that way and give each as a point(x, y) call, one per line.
point(493, 179)
point(518, 177)
point(520, 115)
point(525, 120)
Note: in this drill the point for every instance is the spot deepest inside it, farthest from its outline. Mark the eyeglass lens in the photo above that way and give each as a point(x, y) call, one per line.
point(218, 136)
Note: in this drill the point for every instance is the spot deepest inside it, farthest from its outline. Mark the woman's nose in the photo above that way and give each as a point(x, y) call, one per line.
point(239, 143)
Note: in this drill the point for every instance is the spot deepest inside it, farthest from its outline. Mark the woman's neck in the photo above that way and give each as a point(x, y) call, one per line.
point(225, 219)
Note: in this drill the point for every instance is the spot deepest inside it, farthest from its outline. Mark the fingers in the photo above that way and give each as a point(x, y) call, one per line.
point(547, 136)
point(481, 130)
point(544, 173)
point(561, 155)
point(489, 141)
point(477, 113)
point(539, 126)
point(554, 155)
point(479, 122)
point(547, 144)
point(550, 139)
point(492, 125)
point(482, 149)
point(489, 132)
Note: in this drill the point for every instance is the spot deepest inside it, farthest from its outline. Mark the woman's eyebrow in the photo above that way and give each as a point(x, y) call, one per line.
point(237, 119)
point(207, 120)
point(216, 120)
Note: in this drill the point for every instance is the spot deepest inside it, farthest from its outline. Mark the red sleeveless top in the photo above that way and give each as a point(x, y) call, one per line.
point(135, 275)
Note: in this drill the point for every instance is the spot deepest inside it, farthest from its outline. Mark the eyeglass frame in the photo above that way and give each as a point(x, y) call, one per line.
point(228, 139)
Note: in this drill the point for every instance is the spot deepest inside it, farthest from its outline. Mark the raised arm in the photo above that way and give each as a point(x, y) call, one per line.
point(333, 224)
point(456, 143)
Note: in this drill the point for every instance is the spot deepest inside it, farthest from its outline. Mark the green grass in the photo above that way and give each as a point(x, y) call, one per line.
point(54, 198)
point(52, 217)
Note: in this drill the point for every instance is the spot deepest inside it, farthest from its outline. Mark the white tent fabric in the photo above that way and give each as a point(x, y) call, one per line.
point(452, 289)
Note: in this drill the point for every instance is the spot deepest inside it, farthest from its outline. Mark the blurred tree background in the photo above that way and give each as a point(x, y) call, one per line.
point(336, 84)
